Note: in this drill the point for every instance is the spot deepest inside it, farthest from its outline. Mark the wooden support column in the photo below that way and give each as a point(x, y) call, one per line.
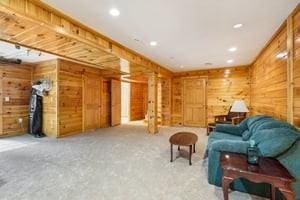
point(152, 103)
point(290, 70)
point(1, 100)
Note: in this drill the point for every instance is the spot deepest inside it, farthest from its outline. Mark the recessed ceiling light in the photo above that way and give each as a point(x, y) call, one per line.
point(153, 43)
point(114, 12)
point(230, 61)
point(236, 26)
point(232, 49)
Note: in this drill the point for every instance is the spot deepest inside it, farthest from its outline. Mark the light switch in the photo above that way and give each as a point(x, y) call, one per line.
point(6, 99)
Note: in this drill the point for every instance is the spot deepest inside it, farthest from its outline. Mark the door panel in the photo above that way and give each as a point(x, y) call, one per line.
point(92, 92)
point(194, 102)
point(115, 102)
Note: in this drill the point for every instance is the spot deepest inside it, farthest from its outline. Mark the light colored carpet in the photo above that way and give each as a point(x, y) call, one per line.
point(120, 163)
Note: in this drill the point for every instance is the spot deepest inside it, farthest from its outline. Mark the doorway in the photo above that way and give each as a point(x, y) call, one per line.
point(125, 102)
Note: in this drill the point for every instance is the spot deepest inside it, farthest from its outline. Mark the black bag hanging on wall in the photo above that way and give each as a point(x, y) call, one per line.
point(36, 114)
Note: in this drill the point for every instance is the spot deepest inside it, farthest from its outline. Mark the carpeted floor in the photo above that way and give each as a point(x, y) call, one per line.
point(121, 163)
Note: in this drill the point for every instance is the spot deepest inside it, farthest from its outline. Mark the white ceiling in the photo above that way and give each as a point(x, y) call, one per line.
point(10, 51)
point(193, 32)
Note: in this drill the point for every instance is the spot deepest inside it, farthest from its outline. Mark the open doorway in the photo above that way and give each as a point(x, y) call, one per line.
point(125, 102)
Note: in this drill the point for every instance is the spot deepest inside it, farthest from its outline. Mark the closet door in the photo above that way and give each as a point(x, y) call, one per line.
point(91, 102)
point(115, 102)
point(194, 102)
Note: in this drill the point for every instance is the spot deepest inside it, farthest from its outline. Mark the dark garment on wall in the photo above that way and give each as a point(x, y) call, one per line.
point(36, 114)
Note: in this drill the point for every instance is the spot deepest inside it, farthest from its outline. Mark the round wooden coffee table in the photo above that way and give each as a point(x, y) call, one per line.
point(184, 139)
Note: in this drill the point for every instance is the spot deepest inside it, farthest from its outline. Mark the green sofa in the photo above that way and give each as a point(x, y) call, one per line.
point(274, 138)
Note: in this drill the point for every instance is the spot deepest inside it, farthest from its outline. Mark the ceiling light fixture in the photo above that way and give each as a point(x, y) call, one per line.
point(208, 64)
point(114, 12)
point(232, 49)
point(230, 61)
point(236, 26)
point(153, 43)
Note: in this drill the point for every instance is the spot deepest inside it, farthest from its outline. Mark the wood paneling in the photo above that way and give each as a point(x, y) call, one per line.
point(165, 101)
point(223, 87)
point(269, 79)
point(115, 102)
point(37, 25)
point(296, 67)
point(49, 70)
point(71, 98)
point(137, 111)
point(15, 84)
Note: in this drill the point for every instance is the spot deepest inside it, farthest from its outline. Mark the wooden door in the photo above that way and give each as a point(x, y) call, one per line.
point(194, 102)
point(115, 102)
point(91, 102)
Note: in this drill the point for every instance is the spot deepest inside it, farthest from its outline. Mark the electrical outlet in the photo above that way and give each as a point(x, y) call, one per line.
point(20, 120)
point(6, 99)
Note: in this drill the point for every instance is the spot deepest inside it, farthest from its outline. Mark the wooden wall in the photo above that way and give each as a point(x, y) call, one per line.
point(48, 70)
point(105, 104)
point(269, 79)
point(223, 87)
point(71, 97)
point(296, 68)
point(15, 83)
point(137, 111)
point(165, 101)
point(275, 81)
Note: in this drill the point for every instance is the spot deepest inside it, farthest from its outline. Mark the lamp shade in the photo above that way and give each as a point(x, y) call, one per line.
point(239, 106)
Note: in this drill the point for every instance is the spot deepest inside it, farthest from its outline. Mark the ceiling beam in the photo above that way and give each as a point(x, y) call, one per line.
point(46, 16)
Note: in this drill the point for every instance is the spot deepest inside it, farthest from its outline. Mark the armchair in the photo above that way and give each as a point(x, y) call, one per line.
point(231, 118)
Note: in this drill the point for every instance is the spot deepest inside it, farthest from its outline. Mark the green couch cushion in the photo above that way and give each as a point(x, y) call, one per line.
point(273, 142)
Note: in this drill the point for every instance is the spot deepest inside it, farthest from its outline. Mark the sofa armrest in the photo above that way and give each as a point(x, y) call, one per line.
point(229, 129)
point(230, 146)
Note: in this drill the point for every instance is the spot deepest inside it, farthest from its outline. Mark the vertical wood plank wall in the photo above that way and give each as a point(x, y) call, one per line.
point(269, 80)
point(166, 101)
point(223, 87)
point(49, 71)
point(16, 84)
point(296, 68)
point(275, 80)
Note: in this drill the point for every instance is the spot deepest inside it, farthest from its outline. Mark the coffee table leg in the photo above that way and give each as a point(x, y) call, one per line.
point(171, 153)
point(190, 156)
point(194, 148)
point(289, 194)
point(273, 190)
point(225, 186)
point(178, 148)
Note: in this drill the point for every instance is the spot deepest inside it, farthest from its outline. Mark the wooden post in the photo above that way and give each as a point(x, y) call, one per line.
point(1, 100)
point(152, 103)
point(290, 70)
